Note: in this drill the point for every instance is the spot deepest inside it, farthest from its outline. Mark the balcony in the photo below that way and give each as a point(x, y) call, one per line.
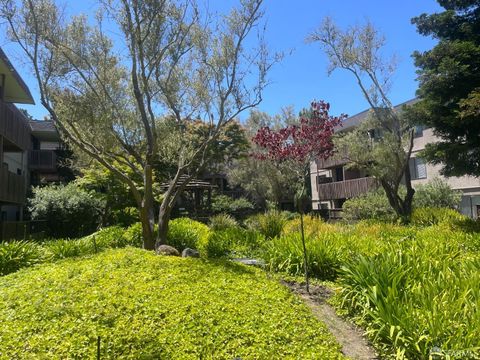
point(14, 127)
point(45, 160)
point(337, 159)
point(346, 189)
point(12, 187)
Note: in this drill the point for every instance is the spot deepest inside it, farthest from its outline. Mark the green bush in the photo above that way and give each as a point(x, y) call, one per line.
point(18, 254)
point(417, 296)
point(285, 254)
point(66, 248)
point(436, 194)
point(235, 207)
point(68, 210)
point(222, 222)
point(112, 237)
point(269, 224)
point(373, 205)
point(186, 233)
point(123, 217)
point(232, 241)
point(434, 216)
point(15, 255)
point(133, 235)
point(144, 306)
point(217, 244)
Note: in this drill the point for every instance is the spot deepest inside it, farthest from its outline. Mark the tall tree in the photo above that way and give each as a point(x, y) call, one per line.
point(296, 146)
point(382, 145)
point(449, 86)
point(106, 82)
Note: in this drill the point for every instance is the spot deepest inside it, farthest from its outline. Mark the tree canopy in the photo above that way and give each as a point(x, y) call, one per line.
point(108, 82)
point(449, 86)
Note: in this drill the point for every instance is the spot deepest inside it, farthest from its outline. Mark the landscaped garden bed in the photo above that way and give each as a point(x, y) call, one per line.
point(145, 306)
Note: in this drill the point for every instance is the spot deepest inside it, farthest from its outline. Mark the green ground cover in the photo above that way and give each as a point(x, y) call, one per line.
point(146, 306)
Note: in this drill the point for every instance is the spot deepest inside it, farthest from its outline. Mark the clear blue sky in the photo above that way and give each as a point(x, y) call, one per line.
point(302, 76)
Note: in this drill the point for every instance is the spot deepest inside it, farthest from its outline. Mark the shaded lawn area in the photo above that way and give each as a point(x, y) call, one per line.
point(146, 306)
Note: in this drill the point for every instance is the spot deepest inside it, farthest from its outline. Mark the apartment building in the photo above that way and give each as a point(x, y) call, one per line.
point(45, 153)
point(332, 183)
point(15, 141)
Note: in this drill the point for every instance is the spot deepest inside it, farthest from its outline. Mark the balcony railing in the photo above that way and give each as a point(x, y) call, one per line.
point(337, 159)
point(14, 126)
point(12, 187)
point(42, 160)
point(346, 189)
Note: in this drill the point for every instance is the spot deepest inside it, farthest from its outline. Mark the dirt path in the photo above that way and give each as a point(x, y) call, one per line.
point(348, 336)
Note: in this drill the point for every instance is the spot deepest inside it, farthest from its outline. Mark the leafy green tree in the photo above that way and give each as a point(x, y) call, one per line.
point(265, 181)
point(437, 194)
point(107, 81)
point(383, 144)
point(120, 207)
point(449, 86)
point(68, 210)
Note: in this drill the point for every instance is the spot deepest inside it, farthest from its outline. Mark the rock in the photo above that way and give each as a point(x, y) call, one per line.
point(167, 250)
point(251, 262)
point(187, 252)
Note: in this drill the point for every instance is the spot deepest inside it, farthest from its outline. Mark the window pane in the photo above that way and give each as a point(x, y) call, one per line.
point(411, 165)
point(421, 168)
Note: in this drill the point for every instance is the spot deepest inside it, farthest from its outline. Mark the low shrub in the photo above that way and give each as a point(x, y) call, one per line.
point(414, 297)
point(18, 254)
point(434, 216)
point(436, 194)
point(186, 233)
point(15, 255)
point(222, 204)
point(285, 254)
point(124, 217)
point(269, 224)
point(312, 226)
point(222, 222)
point(68, 210)
point(217, 244)
point(133, 235)
point(66, 248)
point(373, 205)
point(112, 237)
point(233, 241)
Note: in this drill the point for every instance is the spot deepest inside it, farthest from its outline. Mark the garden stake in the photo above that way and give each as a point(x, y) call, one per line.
point(98, 348)
point(95, 246)
point(305, 265)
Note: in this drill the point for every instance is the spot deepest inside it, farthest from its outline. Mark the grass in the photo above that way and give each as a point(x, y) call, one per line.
point(146, 306)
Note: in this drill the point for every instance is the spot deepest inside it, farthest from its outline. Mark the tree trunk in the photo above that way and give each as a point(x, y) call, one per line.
point(147, 215)
point(147, 219)
point(163, 220)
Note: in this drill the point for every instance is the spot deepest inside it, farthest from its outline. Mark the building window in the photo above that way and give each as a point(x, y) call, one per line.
point(418, 131)
point(418, 168)
point(339, 174)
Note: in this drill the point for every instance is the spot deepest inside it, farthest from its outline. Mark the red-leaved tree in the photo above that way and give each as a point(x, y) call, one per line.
point(299, 145)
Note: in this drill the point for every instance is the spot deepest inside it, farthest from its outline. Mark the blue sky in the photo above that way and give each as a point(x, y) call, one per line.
point(302, 76)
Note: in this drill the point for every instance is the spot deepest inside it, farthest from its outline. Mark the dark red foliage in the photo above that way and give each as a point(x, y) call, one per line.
point(312, 139)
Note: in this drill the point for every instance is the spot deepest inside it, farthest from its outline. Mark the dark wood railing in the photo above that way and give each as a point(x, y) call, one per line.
point(42, 160)
point(14, 126)
point(336, 160)
point(346, 189)
point(12, 187)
